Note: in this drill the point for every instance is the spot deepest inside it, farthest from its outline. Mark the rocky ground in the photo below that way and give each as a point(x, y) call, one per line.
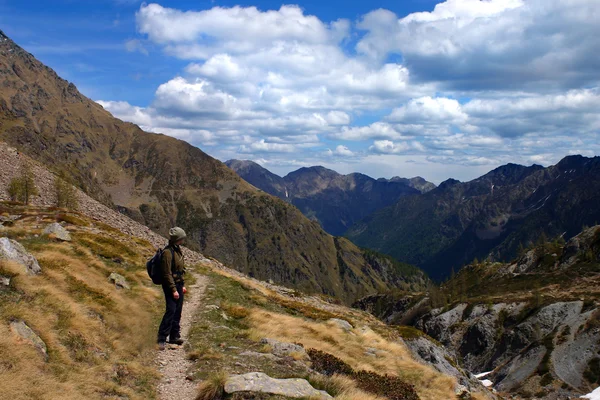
point(173, 364)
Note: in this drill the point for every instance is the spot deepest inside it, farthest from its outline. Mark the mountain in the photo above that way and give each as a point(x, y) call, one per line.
point(417, 182)
point(260, 177)
point(337, 201)
point(492, 216)
point(161, 181)
point(533, 322)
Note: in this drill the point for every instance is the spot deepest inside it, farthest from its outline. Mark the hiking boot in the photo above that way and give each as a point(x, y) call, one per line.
point(178, 341)
point(161, 346)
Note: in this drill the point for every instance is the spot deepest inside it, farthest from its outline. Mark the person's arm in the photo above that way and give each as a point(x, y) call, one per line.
point(166, 265)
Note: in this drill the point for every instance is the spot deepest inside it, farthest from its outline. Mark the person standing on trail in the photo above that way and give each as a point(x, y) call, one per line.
point(173, 268)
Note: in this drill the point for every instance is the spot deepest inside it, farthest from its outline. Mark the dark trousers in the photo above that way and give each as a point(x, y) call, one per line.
point(170, 323)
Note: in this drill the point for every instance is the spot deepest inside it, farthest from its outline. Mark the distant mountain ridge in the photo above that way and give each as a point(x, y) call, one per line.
point(494, 215)
point(160, 181)
point(337, 201)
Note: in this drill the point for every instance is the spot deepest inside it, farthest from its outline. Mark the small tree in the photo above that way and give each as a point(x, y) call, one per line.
point(15, 189)
point(66, 195)
point(22, 187)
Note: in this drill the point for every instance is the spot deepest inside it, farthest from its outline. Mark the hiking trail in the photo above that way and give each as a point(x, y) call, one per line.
point(172, 362)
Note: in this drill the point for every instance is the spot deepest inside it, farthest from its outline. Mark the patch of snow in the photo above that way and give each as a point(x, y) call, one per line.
point(595, 395)
point(487, 383)
point(481, 375)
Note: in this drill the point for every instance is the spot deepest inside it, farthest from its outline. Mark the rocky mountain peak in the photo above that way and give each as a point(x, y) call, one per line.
point(574, 162)
point(448, 183)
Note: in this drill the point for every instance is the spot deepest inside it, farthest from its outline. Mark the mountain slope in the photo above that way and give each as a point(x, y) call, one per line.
point(69, 319)
point(534, 322)
point(337, 201)
point(495, 214)
point(258, 176)
point(161, 181)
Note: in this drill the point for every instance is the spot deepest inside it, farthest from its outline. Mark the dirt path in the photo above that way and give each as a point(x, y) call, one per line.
point(172, 362)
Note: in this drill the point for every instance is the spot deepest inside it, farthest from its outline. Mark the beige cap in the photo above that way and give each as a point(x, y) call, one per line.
point(176, 234)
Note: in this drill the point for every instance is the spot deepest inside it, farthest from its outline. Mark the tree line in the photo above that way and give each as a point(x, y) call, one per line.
point(22, 189)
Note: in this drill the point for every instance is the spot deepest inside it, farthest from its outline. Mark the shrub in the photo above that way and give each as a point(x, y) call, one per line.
point(66, 195)
point(328, 364)
point(389, 386)
point(213, 388)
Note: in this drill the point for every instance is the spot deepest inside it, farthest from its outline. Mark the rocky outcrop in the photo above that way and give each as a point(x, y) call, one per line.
point(25, 333)
point(11, 250)
point(258, 382)
point(55, 229)
point(119, 281)
point(342, 324)
point(282, 349)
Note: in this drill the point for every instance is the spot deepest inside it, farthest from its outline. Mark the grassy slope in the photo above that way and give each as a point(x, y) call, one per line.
point(99, 338)
point(248, 311)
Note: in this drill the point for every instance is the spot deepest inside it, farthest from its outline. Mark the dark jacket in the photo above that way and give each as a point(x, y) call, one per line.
point(172, 268)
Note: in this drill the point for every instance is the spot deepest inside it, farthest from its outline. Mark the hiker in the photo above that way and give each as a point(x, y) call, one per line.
point(172, 268)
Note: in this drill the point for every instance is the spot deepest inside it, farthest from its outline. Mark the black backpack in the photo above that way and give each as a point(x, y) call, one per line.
point(154, 268)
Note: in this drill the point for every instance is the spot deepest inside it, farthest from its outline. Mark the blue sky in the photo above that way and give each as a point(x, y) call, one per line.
point(437, 89)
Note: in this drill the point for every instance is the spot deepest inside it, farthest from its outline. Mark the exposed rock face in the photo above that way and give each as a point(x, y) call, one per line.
point(119, 281)
point(258, 382)
point(11, 250)
point(534, 322)
point(58, 231)
point(21, 329)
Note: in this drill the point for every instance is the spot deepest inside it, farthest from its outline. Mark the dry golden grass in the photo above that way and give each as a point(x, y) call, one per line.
point(341, 387)
point(213, 388)
point(100, 339)
point(235, 311)
point(393, 357)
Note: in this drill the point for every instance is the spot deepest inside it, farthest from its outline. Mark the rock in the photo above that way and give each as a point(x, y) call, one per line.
point(259, 355)
point(282, 349)
point(259, 382)
point(4, 281)
point(345, 325)
point(462, 392)
point(119, 281)
point(58, 231)
point(21, 329)
point(13, 251)
point(211, 307)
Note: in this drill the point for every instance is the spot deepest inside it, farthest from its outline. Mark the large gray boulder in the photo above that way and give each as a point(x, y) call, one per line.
point(27, 334)
point(11, 250)
point(58, 231)
point(258, 382)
